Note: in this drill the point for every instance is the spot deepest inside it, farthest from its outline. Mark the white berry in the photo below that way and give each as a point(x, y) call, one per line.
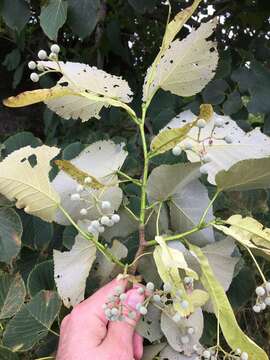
point(115, 218)
point(40, 67)
point(184, 304)
point(83, 212)
point(256, 308)
point(42, 55)
point(185, 340)
point(32, 65)
point(101, 229)
point(238, 351)
point(55, 49)
point(203, 170)
point(191, 331)
point(143, 310)
point(228, 139)
point(34, 77)
point(267, 300)
point(263, 306)
point(104, 220)
point(177, 150)
point(110, 223)
point(260, 291)
point(187, 145)
point(244, 356)
point(95, 224)
point(105, 205)
point(53, 56)
point(201, 123)
point(75, 197)
point(206, 354)
point(150, 286)
point(219, 122)
point(267, 286)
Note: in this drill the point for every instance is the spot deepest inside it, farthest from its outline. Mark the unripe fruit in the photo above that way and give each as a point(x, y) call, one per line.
point(228, 139)
point(115, 218)
point(150, 286)
point(203, 170)
point(244, 356)
point(177, 150)
point(267, 300)
point(83, 212)
point(256, 308)
point(143, 310)
point(75, 197)
point(206, 354)
point(34, 77)
point(218, 122)
point(105, 205)
point(101, 229)
point(267, 286)
point(156, 298)
point(140, 290)
point(104, 220)
point(55, 49)
point(187, 145)
point(263, 306)
point(123, 297)
point(42, 55)
point(184, 304)
point(32, 65)
point(201, 123)
point(95, 223)
point(191, 331)
point(260, 291)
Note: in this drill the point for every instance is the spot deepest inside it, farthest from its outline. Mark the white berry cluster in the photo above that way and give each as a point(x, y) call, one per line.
point(189, 144)
point(213, 353)
point(263, 297)
point(42, 55)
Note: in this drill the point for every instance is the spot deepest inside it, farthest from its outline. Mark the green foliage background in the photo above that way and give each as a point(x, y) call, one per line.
point(122, 37)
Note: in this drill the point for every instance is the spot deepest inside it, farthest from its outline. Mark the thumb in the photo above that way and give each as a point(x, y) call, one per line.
point(123, 331)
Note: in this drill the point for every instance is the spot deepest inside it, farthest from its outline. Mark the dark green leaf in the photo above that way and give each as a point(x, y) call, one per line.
point(18, 74)
point(83, 16)
point(52, 17)
point(238, 294)
point(7, 354)
point(72, 150)
point(12, 60)
point(69, 234)
point(41, 278)
point(12, 294)
point(10, 234)
point(16, 13)
point(20, 140)
point(233, 103)
point(214, 92)
point(141, 6)
point(32, 322)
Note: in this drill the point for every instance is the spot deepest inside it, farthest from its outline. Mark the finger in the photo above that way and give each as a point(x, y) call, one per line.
point(137, 346)
point(121, 332)
point(89, 315)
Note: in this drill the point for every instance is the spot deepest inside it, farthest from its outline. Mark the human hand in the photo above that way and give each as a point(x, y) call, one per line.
point(86, 333)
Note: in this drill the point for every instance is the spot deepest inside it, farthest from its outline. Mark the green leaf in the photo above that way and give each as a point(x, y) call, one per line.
point(19, 140)
point(52, 17)
point(83, 16)
point(72, 150)
point(214, 92)
point(41, 278)
point(16, 14)
point(245, 175)
point(7, 354)
point(37, 233)
point(68, 237)
point(12, 294)
point(12, 60)
point(234, 336)
point(233, 103)
point(32, 322)
point(142, 6)
point(10, 234)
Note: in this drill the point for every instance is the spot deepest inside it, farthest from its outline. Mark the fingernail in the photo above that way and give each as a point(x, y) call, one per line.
point(133, 298)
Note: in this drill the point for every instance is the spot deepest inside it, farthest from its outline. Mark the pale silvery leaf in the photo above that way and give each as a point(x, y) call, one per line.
point(186, 209)
point(93, 88)
point(105, 270)
point(126, 226)
point(71, 268)
point(222, 263)
point(187, 65)
point(187, 197)
point(101, 160)
point(212, 145)
point(149, 325)
point(169, 354)
point(24, 177)
point(150, 351)
point(175, 331)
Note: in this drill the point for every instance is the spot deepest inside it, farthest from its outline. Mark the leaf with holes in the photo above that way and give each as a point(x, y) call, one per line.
point(212, 147)
point(149, 325)
point(71, 268)
point(102, 160)
point(186, 66)
point(33, 322)
point(24, 176)
point(12, 295)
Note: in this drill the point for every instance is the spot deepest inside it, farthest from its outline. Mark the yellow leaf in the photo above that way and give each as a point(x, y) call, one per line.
point(247, 231)
point(78, 174)
point(198, 298)
point(169, 138)
point(234, 336)
point(24, 176)
point(36, 96)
